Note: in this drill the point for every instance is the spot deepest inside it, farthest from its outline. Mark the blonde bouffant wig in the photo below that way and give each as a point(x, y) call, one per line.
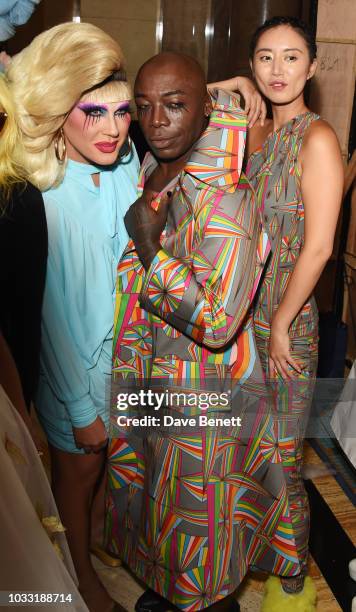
point(49, 77)
point(11, 172)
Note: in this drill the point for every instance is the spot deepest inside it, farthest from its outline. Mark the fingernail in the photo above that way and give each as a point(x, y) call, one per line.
point(169, 194)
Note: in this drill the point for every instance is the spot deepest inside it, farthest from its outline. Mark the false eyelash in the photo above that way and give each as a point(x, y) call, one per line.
point(141, 110)
point(124, 110)
point(90, 119)
point(177, 107)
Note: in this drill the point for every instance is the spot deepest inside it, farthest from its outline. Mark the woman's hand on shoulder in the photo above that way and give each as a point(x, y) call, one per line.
point(255, 106)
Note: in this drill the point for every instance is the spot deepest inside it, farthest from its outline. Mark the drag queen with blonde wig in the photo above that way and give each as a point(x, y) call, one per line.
point(73, 111)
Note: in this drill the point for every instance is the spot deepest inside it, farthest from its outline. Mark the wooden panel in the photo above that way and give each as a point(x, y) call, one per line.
point(128, 32)
point(218, 64)
point(337, 19)
point(25, 33)
point(58, 12)
point(333, 86)
point(139, 9)
point(45, 15)
point(234, 23)
point(184, 27)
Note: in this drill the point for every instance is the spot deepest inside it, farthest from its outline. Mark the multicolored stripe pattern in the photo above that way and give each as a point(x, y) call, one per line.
point(274, 173)
point(190, 511)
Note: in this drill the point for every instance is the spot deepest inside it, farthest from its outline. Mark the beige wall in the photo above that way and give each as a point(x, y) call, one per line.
point(333, 86)
point(184, 28)
point(332, 96)
point(132, 24)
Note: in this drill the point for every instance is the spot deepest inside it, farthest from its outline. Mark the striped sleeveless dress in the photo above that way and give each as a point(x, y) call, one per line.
point(273, 172)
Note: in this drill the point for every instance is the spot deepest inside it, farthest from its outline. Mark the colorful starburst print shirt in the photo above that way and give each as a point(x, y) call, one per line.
point(188, 308)
point(190, 510)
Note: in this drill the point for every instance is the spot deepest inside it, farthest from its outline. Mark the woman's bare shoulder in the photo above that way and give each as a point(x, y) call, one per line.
point(320, 145)
point(319, 134)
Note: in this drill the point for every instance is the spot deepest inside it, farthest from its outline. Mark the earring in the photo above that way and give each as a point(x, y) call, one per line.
point(126, 148)
point(60, 146)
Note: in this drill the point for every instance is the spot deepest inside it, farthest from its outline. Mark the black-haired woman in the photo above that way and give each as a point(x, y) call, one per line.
point(296, 169)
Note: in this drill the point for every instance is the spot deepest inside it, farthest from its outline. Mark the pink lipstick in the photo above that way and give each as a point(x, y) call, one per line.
point(106, 147)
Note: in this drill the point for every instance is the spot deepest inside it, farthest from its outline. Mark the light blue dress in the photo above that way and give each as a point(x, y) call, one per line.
point(86, 237)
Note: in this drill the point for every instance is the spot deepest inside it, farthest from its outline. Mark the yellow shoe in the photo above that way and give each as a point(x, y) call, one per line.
point(276, 600)
point(105, 557)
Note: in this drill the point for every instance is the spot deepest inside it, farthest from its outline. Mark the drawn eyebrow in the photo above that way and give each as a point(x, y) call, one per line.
point(284, 50)
point(123, 106)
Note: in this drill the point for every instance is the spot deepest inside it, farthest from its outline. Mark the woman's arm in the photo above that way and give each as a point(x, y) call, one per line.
point(10, 380)
point(61, 361)
point(322, 179)
point(255, 106)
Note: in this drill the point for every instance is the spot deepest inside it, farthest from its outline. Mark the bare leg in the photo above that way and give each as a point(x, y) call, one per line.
point(98, 510)
point(74, 478)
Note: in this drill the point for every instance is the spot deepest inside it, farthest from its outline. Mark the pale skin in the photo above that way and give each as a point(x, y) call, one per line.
point(94, 131)
point(281, 67)
point(110, 121)
point(321, 182)
point(93, 120)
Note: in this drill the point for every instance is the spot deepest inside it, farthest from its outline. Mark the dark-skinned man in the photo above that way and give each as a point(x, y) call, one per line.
point(183, 511)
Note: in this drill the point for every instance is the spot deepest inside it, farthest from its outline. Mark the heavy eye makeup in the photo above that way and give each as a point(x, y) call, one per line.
point(142, 108)
point(173, 106)
point(94, 112)
point(176, 106)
